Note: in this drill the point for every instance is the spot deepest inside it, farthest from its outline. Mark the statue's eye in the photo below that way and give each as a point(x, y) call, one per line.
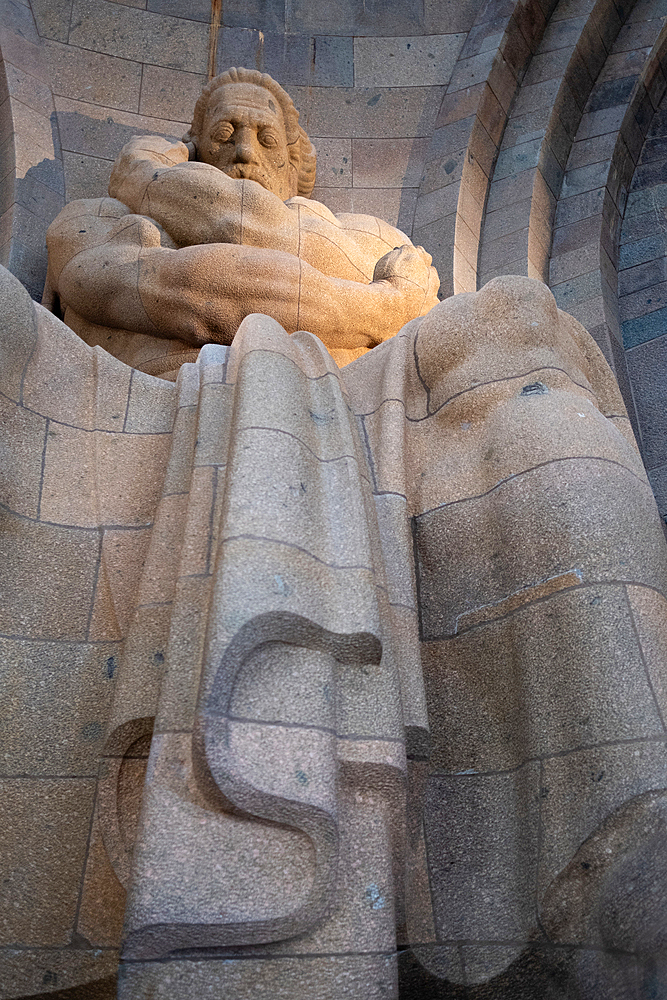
point(268, 138)
point(222, 133)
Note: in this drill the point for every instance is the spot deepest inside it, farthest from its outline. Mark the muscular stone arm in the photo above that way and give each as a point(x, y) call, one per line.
point(197, 203)
point(115, 270)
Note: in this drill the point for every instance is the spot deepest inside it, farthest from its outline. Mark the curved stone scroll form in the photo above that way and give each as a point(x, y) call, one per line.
point(258, 766)
point(287, 688)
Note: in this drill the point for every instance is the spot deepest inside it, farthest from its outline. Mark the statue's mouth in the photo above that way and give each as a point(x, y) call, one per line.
point(247, 172)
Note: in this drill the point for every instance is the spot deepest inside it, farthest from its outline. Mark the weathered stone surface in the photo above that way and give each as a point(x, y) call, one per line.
point(249, 558)
point(280, 658)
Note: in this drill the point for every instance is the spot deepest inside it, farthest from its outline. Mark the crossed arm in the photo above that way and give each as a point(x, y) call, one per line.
point(184, 251)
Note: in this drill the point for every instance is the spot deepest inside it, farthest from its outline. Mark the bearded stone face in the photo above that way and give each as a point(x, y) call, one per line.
point(244, 136)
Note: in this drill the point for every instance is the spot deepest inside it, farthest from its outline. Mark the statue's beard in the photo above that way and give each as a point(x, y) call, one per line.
point(250, 172)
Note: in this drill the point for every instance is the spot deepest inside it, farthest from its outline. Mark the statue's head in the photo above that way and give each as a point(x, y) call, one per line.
point(246, 125)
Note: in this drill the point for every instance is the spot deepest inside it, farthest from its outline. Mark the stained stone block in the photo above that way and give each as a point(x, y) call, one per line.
point(582, 296)
point(19, 329)
point(406, 62)
point(143, 667)
point(644, 328)
point(393, 520)
point(29, 91)
point(491, 690)
point(364, 920)
point(611, 94)
point(586, 786)
point(20, 485)
point(30, 229)
point(178, 695)
point(7, 156)
point(271, 583)
point(332, 62)
point(388, 162)
point(112, 395)
point(355, 17)
point(445, 15)
point(325, 60)
point(85, 128)
point(296, 686)
point(196, 10)
point(658, 482)
point(151, 406)
point(30, 265)
point(197, 547)
point(213, 419)
point(85, 175)
point(43, 852)
point(366, 705)
point(368, 112)
point(482, 838)
point(644, 367)
point(594, 554)
point(263, 15)
point(396, 205)
point(53, 18)
point(238, 46)
point(334, 162)
point(121, 563)
point(103, 898)
point(139, 35)
point(46, 388)
point(94, 77)
point(49, 574)
point(168, 93)
point(333, 978)
point(286, 57)
point(267, 871)
point(648, 610)
point(102, 492)
point(72, 684)
point(440, 172)
point(38, 198)
point(435, 205)
point(42, 971)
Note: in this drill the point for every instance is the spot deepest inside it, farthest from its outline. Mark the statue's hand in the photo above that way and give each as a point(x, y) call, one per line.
point(408, 269)
point(134, 166)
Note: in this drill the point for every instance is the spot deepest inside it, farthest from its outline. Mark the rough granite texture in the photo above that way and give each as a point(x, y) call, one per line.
point(296, 608)
point(333, 681)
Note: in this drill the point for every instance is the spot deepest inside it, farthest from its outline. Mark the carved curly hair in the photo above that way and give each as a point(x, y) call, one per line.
point(302, 155)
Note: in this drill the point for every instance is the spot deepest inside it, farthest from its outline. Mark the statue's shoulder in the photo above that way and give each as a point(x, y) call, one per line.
point(101, 208)
point(80, 225)
point(353, 222)
point(312, 207)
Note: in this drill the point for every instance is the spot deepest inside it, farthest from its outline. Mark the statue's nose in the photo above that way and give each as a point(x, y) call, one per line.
point(245, 147)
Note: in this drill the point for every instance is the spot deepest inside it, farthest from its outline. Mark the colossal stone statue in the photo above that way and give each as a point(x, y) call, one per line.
point(201, 233)
point(374, 656)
